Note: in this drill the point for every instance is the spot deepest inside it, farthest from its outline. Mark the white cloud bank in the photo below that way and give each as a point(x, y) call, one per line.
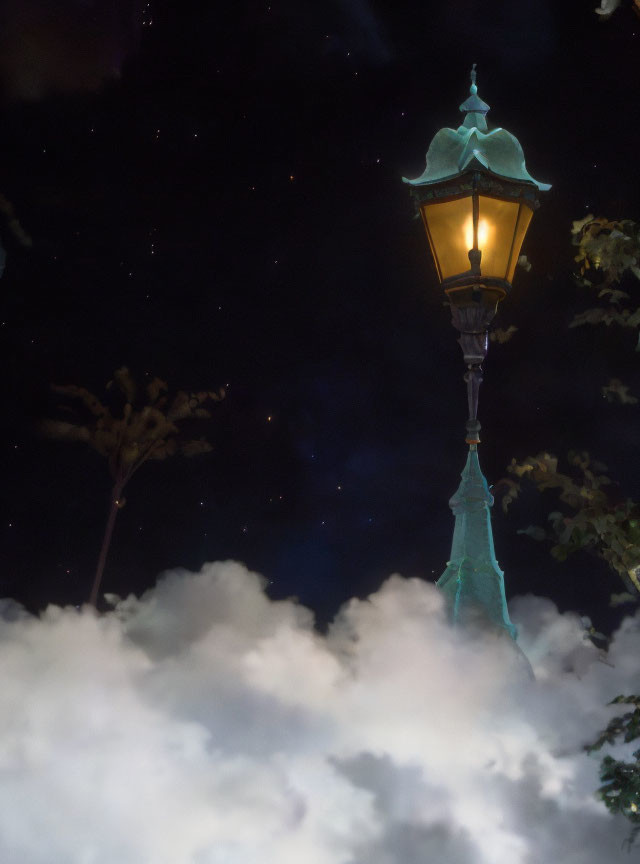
point(206, 724)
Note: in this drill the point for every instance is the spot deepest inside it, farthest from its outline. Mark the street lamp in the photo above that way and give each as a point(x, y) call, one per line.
point(476, 199)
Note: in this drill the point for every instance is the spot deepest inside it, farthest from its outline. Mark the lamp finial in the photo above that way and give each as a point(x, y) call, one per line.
point(473, 89)
point(473, 106)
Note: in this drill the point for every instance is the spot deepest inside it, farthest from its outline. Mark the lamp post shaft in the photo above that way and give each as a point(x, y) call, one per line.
point(471, 315)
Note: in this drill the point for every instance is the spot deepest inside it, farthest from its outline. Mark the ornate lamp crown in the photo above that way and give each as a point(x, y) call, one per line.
point(472, 146)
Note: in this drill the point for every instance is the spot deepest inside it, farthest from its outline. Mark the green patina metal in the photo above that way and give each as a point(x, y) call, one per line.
point(472, 146)
point(475, 162)
point(473, 582)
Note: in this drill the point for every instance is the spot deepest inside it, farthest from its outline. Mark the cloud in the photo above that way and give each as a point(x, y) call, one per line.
point(206, 724)
point(64, 45)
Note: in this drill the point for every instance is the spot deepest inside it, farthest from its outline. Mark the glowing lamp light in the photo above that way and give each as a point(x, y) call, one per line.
point(483, 233)
point(493, 226)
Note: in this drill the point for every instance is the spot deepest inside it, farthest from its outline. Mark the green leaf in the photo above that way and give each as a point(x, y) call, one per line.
point(560, 553)
point(615, 390)
point(501, 336)
point(534, 531)
point(621, 599)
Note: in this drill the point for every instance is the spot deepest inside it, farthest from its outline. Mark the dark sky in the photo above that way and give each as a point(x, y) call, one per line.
point(256, 149)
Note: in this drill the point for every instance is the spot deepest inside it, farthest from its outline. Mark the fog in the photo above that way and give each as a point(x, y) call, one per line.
point(204, 723)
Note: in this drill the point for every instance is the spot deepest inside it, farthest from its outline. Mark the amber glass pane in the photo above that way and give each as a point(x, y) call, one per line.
point(523, 223)
point(496, 228)
point(449, 226)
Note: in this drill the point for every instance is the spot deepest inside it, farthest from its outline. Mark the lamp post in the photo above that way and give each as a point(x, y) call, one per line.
point(476, 199)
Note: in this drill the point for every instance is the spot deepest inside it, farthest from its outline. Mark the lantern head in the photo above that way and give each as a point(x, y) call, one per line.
point(476, 199)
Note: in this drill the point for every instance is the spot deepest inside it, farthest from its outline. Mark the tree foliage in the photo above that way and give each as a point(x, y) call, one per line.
point(142, 426)
point(501, 335)
point(13, 226)
point(7, 210)
point(616, 391)
point(607, 251)
point(608, 7)
point(620, 789)
point(146, 427)
point(596, 516)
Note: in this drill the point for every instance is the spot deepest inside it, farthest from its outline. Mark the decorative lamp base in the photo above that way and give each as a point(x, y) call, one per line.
point(473, 582)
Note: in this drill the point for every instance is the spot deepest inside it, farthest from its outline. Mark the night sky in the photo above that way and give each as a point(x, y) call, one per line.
point(213, 193)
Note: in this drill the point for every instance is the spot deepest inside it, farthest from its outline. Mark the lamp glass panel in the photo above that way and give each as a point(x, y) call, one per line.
point(449, 225)
point(524, 218)
point(496, 228)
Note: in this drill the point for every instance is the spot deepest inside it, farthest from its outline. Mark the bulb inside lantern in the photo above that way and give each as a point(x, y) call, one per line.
point(483, 233)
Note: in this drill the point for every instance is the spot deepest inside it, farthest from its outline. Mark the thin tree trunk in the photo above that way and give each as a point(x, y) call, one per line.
point(116, 494)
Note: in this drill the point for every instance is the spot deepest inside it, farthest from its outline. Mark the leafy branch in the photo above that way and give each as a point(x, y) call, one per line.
point(620, 790)
point(598, 520)
point(144, 428)
point(607, 251)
